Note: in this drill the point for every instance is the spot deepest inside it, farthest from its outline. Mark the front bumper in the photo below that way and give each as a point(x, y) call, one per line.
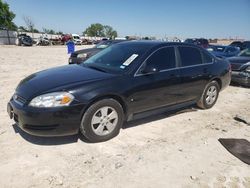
point(46, 122)
point(240, 78)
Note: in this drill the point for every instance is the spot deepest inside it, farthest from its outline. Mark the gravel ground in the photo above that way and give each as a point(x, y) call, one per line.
point(168, 150)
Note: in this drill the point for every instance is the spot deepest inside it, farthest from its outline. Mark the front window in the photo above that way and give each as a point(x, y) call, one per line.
point(116, 58)
point(163, 59)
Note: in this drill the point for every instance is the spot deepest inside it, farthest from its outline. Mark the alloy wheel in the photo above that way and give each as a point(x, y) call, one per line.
point(104, 120)
point(211, 95)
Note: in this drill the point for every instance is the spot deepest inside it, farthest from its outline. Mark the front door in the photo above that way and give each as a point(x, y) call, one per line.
point(159, 87)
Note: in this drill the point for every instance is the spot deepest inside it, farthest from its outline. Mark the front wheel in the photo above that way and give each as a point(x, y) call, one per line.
point(102, 120)
point(209, 96)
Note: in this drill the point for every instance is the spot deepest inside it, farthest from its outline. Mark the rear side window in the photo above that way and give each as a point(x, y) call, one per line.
point(163, 59)
point(207, 58)
point(190, 56)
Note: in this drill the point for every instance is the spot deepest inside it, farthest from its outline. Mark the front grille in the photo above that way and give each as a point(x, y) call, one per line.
point(19, 99)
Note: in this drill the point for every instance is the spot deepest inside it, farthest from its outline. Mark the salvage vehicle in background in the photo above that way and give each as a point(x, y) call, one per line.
point(238, 44)
point(223, 51)
point(76, 39)
point(125, 81)
point(200, 42)
point(246, 44)
point(24, 40)
point(241, 68)
point(241, 45)
point(65, 38)
point(43, 41)
point(79, 56)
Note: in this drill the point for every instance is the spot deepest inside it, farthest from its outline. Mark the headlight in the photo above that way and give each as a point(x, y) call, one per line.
point(49, 100)
point(84, 55)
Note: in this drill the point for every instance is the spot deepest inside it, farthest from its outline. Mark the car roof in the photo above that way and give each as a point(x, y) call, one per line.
point(155, 43)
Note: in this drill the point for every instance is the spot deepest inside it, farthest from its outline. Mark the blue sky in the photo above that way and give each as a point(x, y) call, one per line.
point(182, 18)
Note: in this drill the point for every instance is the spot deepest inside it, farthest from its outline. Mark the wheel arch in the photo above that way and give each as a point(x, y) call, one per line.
point(218, 80)
point(118, 98)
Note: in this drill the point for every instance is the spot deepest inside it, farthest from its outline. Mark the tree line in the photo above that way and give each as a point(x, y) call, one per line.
point(7, 16)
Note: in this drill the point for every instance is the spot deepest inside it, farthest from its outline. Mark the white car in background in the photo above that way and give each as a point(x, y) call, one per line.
point(76, 39)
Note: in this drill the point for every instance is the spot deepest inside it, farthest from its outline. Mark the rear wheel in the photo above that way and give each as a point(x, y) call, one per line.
point(209, 96)
point(102, 120)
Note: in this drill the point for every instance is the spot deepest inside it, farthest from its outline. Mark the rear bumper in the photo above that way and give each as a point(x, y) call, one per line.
point(46, 122)
point(240, 78)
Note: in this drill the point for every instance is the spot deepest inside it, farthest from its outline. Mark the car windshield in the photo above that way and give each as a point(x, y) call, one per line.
point(116, 58)
point(245, 53)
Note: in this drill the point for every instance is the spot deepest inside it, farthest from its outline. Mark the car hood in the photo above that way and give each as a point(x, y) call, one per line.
point(239, 59)
point(60, 77)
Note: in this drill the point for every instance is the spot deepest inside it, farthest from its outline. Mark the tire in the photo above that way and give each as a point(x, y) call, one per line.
point(102, 120)
point(209, 96)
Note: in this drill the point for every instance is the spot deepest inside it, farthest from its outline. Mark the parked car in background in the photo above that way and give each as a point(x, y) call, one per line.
point(223, 51)
point(125, 81)
point(76, 39)
point(241, 45)
point(24, 40)
point(241, 68)
point(43, 41)
point(200, 42)
point(246, 44)
point(238, 44)
point(81, 55)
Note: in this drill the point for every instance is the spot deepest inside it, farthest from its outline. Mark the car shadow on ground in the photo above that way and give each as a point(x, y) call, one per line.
point(62, 140)
point(238, 85)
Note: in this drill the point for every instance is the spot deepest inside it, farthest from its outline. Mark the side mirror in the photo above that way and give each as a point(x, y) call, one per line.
point(149, 69)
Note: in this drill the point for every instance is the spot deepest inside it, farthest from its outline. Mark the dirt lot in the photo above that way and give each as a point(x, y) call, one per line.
point(180, 150)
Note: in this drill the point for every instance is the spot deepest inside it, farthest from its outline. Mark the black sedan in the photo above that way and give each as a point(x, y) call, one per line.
point(81, 55)
point(241, 68)
point(125, 81)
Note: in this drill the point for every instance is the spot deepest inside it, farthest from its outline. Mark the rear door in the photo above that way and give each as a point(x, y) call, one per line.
point(195, 70)
point(156, 89)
